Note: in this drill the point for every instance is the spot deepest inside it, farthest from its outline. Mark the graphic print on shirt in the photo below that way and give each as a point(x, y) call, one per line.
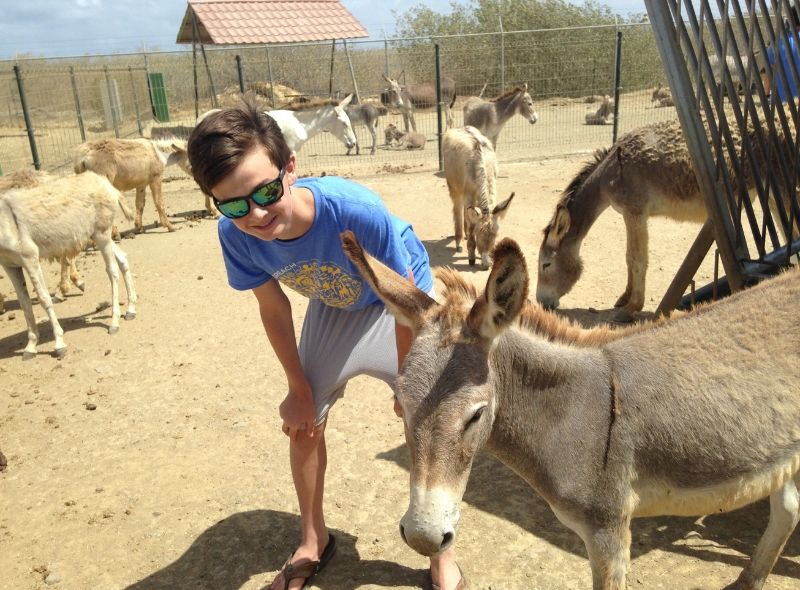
point(322, 280)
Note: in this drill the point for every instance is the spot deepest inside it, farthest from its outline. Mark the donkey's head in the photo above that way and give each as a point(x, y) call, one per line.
point(445, 388)
point(487, 226)
point(560, 265)
point(339, 124)
point(393, 95)
point(525, 105)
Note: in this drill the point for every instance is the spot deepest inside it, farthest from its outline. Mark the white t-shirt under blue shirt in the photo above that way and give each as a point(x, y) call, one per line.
point(314, 264)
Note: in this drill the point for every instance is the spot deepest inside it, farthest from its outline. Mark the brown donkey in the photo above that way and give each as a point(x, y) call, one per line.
point(666, 420)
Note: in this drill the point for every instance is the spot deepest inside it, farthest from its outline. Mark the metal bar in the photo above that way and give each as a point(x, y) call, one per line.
point(136, 103)
point(239, 73)
point(330, 81)
point(617, 85)
point(352, 72)
point(112, 103)
point(438, 105)
point(77, 98)
point(194, 64)
point(271, 80)
point(683, 278)
point(27, 115)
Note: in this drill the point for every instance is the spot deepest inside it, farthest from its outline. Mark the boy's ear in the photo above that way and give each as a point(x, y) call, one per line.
point(291, 169)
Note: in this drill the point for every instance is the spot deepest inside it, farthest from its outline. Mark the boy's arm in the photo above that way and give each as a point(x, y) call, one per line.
point(297, 409)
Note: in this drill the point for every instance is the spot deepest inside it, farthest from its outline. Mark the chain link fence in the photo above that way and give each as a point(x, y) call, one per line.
point(48, 106)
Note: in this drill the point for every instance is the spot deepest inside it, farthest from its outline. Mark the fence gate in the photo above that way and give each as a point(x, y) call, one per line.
point(734, 70)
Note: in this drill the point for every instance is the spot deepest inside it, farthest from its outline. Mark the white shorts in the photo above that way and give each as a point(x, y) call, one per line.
point(336, 345)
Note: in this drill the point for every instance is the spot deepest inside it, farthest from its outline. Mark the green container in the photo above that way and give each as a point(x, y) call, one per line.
point(158, 97)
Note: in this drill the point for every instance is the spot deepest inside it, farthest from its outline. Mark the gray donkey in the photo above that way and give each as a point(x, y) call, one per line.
point(697, 415)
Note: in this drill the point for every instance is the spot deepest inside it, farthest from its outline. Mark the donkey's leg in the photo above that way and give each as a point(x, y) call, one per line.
point(458, 216)
point(69, 271)
point(17, 279)
point(34, 270)
point(373, 130)
point(158, 199)
point(104, 243)
point(122, 262)
point(632, 299)
point(210, 207)
point(784, 513)
point(609, 549)
point(137, 224)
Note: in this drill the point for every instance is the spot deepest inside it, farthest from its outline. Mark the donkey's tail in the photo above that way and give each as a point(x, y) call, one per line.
point(452, 102)
point(123, 206)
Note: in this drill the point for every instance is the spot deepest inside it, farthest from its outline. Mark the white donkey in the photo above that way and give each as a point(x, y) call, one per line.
point(54, 220)
point(694, 416)
point(301, 122)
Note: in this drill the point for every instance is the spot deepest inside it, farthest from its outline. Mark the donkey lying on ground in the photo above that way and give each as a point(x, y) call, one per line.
point(647, 172)
point(53, 220)
point(136, 164)
point(604, 113)
point(489, 116)
point(413, 97)
point(411, 140)
point(367, 115)
point(668, 420)
point(470, 167)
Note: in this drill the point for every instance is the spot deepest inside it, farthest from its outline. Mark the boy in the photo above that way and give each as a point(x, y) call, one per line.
point(278, 229)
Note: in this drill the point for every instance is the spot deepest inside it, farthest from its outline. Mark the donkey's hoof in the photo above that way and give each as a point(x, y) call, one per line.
point(81, 286)
point(472, 262)
point(170, 228)
point(459, 248)
point(26, 356)
point(113, 329)
point(60, 353)
point(130, 315)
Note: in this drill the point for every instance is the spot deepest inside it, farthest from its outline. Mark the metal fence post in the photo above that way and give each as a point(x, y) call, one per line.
point(26, 114)
point(111, 102)
point(438, 105)
point(77, 102)
point(617, 85)
point(271, 81)
point(135, 102)
point(239, 72)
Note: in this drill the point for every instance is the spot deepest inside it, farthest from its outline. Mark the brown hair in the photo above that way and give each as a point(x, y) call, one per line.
point(223, 137)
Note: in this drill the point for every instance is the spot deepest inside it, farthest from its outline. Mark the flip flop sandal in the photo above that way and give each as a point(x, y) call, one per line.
point(462, 582)
point(308, 569)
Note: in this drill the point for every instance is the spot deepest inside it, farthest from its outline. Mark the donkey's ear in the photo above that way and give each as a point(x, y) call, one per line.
point(525, 87)
point(473, 215)
point(502, 208)
point(404, 301)
point(346, 100)
point(506, 292)
point(559, 226)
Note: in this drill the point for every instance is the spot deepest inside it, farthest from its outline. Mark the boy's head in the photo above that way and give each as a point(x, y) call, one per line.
point(220, 141)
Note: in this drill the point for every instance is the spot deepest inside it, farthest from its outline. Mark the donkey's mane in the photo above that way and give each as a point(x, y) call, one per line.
point(514, 90)
point(577, 182)
point(165, 144)
point(460, 294)
point(314, 103)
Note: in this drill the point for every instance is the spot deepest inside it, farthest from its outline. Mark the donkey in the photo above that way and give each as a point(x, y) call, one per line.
point(661, 93)
point(53, 220)
point(470, 168)
point(647, 172)
point(664, 421)
point(136, 164)
point(30, 179)
point(604, 113)
point(299, 122)
point(367, 115)
point(419, 96)
point(489, 116)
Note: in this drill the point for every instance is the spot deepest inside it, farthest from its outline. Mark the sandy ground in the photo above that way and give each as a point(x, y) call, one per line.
point(154, 458)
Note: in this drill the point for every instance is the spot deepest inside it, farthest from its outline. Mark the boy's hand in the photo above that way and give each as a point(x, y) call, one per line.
point(298, 413)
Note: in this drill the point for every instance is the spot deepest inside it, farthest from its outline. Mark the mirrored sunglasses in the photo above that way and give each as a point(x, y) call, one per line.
point(266, 194)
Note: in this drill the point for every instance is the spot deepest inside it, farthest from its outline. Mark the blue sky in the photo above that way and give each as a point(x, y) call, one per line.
point(76, 27)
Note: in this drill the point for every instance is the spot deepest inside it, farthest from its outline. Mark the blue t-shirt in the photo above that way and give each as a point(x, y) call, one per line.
point(314, 264)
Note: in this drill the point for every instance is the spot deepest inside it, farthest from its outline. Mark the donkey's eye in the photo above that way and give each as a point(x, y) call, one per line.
point(545, 265)
point(475, 417)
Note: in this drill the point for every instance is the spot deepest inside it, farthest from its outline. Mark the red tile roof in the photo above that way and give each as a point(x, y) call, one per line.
point(239, 22)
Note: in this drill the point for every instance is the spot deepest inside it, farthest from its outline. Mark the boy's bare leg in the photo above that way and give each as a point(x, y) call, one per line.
point(308, 458)
point(444, 571)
